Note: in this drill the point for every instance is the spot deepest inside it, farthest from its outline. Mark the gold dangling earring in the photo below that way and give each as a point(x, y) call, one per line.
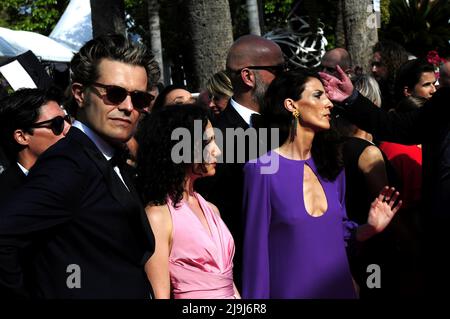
point(295, 117)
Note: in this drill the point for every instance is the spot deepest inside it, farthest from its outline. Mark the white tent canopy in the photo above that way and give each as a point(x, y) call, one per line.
point(13, 43)
point(72, 31)
point(74, 28)
point(6, 49)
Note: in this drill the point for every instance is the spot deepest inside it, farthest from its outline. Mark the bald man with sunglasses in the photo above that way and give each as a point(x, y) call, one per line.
point(31, 120)
point(79, 204)
point(252, 64)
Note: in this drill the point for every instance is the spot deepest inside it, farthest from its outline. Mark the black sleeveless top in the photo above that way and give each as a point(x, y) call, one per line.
point(358, 198)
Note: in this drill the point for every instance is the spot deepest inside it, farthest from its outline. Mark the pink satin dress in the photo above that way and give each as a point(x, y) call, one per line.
point(200, 264)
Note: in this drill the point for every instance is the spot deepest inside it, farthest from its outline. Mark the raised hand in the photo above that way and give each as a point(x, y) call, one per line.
point(337, 89)
point(383, 209)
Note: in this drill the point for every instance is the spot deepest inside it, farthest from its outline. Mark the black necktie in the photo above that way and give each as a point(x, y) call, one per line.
point(119, 158)
point(256, 120)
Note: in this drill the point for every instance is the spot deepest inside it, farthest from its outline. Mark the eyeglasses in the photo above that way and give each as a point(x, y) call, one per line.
point(56, 124)
point(275, 69)
point(117, 94)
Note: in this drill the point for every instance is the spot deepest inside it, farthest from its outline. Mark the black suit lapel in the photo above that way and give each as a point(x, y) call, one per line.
point(128, 199)
point(233, 118)
point(113, 181)
point(20, 177)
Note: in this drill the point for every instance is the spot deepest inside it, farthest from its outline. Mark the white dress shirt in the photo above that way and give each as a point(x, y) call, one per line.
point(106, 149)
point(243, 111)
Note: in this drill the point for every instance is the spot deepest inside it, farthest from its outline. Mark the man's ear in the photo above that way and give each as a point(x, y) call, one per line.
point(248, 77)
point(21, 137)
point(78, 93)
point(407, 91)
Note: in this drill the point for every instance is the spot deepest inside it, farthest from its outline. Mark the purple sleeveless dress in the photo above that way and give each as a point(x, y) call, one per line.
point(289, 254)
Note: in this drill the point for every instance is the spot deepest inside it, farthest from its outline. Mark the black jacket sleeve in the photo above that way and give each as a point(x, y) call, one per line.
point(413, 127)
point(45, 201)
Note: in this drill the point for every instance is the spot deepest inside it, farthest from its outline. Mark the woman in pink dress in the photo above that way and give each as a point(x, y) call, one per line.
point(194, 250)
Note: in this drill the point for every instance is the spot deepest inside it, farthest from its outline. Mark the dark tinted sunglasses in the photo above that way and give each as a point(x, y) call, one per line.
point(275, 69)
point(117, 94)
point(56, 124)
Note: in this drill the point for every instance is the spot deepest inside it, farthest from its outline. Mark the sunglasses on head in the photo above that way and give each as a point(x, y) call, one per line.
point(56, 124)
point(117, 94)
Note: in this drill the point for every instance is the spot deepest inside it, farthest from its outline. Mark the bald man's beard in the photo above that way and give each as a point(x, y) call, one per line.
point(260, 90)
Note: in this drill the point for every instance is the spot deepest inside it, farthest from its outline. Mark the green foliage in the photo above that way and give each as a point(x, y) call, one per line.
point(31, 15)
point(419, 25)
point(136, 11)
point(384, 9)
point(276, 12)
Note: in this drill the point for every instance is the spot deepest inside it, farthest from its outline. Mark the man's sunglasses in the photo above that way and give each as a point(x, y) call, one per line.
point(275, 69)
point(117, 94)
point(56, 124)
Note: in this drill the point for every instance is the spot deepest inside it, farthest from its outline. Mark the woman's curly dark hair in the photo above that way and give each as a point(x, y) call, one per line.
point(326, 148)
point(158, 176)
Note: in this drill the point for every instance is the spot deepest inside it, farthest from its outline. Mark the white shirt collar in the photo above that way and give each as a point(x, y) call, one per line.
point(23, 169)
point(105, 148)
point(243, 111)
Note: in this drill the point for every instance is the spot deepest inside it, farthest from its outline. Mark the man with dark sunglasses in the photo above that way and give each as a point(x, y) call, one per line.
point(31, 120)
point(79, 203)
point(252, 63)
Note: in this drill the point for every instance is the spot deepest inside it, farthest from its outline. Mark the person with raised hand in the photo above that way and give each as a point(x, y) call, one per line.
point(296, 223)
point(429, 126)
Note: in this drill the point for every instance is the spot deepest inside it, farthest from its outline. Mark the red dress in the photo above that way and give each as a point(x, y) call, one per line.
point(407, 161)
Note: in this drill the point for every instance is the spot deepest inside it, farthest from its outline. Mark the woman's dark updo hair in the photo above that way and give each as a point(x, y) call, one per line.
point(158, 177)
point(326, 148)
point(161, 98)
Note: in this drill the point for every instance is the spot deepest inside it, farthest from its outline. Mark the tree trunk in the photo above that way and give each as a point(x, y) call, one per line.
point(211, 36)
point(108, 16)
point(361, 31)
point(340, 30)
point(253, 17)
point(155, 34)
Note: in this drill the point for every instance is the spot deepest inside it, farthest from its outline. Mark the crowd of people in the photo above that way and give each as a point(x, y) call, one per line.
point(126, 188)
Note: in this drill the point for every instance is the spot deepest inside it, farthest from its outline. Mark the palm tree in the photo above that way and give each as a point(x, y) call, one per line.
point(419, 25)
point(108, 16)
point(210, 36)
point(253, 17)
point(359, 35)
point(155, 33)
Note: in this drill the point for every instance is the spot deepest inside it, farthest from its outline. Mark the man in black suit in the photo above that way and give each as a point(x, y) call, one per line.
point(429, 126)
point(252, 63)
point(3, 161)
point(31, 120)
point(78, 208)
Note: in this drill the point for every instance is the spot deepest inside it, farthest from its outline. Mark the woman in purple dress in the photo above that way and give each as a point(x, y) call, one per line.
point(294, 197)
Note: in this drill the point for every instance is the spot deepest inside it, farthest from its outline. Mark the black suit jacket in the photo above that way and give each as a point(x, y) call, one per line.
point(429, 126)
point(10, 180)
point(85, 226)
